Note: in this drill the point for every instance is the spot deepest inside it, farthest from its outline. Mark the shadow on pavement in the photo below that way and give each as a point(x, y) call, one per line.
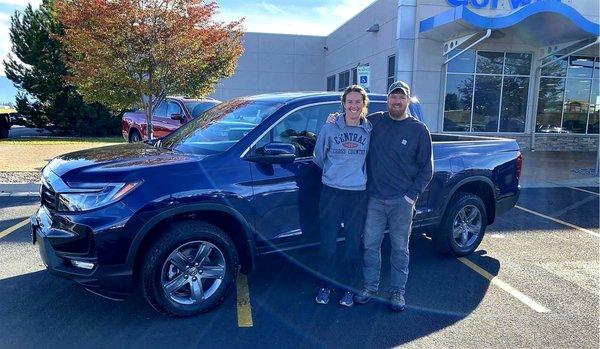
point(40, 310)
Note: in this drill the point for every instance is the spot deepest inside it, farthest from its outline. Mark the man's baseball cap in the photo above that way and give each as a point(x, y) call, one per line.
point(399, 85)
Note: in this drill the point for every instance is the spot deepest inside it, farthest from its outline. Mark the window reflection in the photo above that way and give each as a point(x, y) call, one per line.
point(550, 105)
point(576, 105)
point(514, 104)
point(490, 62)
point(457, 107)
point(486, 103)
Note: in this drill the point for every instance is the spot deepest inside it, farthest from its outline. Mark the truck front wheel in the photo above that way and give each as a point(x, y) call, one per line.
point(189, 270)
point(463, 225)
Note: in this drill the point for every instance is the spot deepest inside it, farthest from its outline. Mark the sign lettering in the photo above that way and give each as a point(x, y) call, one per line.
point(493, 4)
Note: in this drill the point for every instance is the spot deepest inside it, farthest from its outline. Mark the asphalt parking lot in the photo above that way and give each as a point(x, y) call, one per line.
point(532, 283)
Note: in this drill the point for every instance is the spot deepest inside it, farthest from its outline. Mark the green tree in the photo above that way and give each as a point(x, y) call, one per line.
point(37, 69)
point(128, 52)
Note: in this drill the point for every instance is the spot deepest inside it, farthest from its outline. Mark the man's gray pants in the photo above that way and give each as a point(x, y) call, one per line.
point(398, 214)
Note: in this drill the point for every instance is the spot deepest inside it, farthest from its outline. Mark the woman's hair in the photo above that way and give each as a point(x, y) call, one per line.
point(363, 93)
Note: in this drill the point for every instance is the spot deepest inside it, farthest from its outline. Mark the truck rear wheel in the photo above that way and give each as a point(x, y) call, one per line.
point(134, 136)
point(463, 225)
point(189, 270)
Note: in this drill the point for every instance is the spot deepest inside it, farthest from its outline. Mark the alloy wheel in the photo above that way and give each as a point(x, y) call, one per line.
point(193, 272)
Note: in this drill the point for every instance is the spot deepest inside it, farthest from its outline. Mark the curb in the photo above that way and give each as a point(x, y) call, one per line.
point(19, 189)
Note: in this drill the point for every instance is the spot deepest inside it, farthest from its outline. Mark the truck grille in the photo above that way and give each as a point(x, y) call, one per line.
point(48, 197)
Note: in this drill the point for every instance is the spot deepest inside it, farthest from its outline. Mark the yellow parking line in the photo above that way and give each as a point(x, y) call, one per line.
point(13, 228)
point(244, 309)
point(506, 287)
point(558, 221)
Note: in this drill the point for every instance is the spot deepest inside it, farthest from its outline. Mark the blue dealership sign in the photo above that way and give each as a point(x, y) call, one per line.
point(493, 4)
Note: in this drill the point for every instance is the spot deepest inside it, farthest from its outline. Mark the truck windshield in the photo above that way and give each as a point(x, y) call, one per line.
point(197, 108)
point(219, 128)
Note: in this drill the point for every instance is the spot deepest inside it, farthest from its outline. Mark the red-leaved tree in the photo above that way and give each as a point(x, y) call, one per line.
point(124, 53)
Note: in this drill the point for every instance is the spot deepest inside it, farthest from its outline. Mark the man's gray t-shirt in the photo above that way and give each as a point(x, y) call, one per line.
point(400, 160)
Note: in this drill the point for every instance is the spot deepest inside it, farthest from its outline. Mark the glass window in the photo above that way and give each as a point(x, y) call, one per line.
point(597, 68)
point(594, 107)
point(220, 127)
point(577, 94)
point(550, 103)
point(517, 64)
point(343, 80)
point(558, 68)
point(300, 128)
point(458, 100)
point(489, 62)
point(331, 83)
point(580, 67)
point(161, 110)
point(174, 108)
point(197, 108)
point(465, 63)
point(486, 103)
point(354, 76)
point(514, 104)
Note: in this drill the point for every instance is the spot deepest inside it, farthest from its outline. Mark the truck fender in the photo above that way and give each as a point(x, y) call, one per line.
point(147, 227)
point(464, 181)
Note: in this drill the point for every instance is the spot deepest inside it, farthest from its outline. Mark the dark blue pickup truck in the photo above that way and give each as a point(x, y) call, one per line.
point(176, 217)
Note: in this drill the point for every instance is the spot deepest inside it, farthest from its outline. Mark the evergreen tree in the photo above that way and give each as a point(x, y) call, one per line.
point(37, 69)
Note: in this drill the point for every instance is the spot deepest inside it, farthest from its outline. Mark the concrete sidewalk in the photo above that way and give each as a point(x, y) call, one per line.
point(543, 169)
point(540, 170)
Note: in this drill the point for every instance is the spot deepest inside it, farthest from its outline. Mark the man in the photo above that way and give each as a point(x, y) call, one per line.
point(399, 167)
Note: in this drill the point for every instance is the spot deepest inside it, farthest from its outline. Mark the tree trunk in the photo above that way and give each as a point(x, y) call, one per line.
point(149, 132)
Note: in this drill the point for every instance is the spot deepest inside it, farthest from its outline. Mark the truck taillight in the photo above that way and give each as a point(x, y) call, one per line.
point(519, 165)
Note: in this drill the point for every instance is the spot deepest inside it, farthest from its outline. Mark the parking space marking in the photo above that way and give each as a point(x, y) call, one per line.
point(506, 287)
point(583, 190)
point(558, 221)
point(13, 228)
point(244, 309)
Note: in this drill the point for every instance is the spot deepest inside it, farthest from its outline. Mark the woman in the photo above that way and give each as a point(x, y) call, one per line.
point(341, 152)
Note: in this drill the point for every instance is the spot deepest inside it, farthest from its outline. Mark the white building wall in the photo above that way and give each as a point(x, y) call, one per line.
point(276, 63)
point(351, 45)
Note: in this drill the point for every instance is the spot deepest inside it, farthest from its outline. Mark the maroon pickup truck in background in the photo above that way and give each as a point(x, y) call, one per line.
point(167, 117)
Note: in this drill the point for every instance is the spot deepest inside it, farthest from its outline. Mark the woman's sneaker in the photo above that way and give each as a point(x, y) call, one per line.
point(348, 299)
point(323, 296)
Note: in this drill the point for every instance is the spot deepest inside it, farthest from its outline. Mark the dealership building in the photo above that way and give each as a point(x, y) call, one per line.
point(522, 69)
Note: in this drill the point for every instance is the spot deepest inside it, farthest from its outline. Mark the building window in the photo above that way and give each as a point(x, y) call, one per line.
point(568, 99)
point(343, 80)
point(487, 92)
point(331, 83)
point(354, 76)
point(391, 73)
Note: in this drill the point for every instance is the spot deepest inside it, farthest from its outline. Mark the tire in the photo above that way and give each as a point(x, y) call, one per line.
point(3, 132)
point(134, 136)
point(169, 273)
point(462, 227)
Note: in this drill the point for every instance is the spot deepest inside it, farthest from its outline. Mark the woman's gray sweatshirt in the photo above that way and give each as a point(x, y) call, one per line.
point(341, 152)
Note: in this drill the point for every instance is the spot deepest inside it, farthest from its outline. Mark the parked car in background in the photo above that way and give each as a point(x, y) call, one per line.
point(6, 116)
point(176, 216)
point(168, 116)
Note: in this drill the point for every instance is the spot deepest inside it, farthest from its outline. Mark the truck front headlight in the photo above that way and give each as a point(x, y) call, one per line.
point(88, 197)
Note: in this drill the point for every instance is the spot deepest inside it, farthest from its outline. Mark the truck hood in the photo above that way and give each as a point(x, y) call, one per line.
point(117, 158)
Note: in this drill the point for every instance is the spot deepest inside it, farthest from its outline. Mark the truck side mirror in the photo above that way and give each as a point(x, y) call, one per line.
point(274, 153)
point(177, 116)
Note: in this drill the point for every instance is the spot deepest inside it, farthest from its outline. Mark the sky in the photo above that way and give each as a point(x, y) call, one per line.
point(308, 17)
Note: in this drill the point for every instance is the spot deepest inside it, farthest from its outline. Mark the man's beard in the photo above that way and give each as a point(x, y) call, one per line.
point(397, 114)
